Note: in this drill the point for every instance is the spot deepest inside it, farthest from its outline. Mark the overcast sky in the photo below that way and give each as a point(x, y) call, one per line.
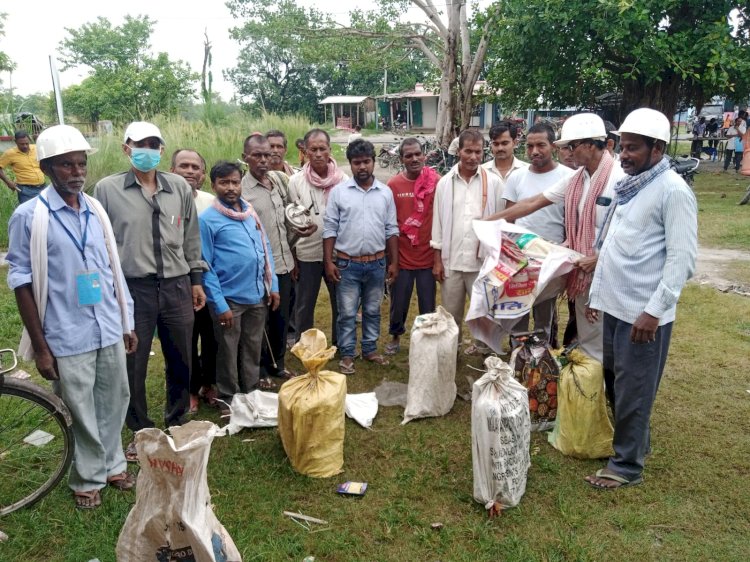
point(34, 31)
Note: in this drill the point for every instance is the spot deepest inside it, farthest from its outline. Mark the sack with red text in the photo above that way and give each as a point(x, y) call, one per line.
point(172, 518)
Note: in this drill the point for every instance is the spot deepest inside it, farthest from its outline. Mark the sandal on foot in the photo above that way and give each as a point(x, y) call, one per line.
point(346, 366)
point(604, 474)
point(376, 358)
point(266, 384)
point(193, 405)
point(131, 454)
point(87, 500)
point(208, 395)
point(124, 481)
point(286, 374)
point(392, 348)
point(474, 349)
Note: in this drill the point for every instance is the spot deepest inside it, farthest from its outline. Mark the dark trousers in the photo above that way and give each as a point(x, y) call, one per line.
point(204, 362)
point(632, 372)
point(276, 328)
point(400, 293)
point(308, 287)
point(167, 306)
point(238, 358)
point(728, 154)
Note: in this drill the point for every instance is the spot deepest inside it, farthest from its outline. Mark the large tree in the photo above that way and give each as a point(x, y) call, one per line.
point(125, 80)
point(5, 62)
point(442, 38)
point(655, 53)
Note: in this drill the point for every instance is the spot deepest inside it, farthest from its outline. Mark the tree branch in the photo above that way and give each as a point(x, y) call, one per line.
point(432, 14)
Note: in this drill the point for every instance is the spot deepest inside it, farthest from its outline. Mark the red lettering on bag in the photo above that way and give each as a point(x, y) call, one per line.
point(167, 465)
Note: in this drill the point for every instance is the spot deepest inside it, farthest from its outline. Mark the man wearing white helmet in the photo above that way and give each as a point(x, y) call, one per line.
point(76, 309)
point(154, 218)
point(587, 196)
point(646, 257)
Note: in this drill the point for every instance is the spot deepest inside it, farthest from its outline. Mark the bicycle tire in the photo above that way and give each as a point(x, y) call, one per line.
point(384, 160)
point(38, 408)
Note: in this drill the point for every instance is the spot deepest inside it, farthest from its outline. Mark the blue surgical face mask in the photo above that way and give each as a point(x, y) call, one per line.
point(145, 159)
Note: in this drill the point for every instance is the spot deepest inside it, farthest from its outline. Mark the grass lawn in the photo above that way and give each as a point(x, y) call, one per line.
point(693, 505)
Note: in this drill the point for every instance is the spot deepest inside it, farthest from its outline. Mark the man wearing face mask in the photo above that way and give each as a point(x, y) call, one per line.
point(154, 220)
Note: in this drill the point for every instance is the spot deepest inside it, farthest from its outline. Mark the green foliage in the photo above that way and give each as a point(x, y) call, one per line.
point(126, 82)
point(653, 52)
point(5, 62)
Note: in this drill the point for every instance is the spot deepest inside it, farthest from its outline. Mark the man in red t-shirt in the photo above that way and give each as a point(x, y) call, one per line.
point(413, 190)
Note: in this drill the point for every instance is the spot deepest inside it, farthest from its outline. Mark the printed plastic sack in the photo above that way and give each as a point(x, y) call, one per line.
point(311, 411)
point(537, 370)
point(432, 365)
point(254, 409)
point(500, 437)
point(362, 408)
point(582, 428)
point(172, 517)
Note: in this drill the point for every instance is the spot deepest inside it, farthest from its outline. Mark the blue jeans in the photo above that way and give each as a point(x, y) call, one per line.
point(28, 192)
point(359, 281)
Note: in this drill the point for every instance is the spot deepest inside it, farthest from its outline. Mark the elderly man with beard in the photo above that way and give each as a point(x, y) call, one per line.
point(76, 310)
point(361, 226)
point(648, 246)
point(311, 187)
point(587, 196)
point(413, 191)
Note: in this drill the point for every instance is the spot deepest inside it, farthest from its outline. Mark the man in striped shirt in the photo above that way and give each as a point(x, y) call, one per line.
point(648, 247)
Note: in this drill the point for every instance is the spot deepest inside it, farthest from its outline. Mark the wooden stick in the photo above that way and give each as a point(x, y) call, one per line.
point(305, 518)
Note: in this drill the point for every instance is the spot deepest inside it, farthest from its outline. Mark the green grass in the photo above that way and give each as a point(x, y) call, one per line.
point(721, 222)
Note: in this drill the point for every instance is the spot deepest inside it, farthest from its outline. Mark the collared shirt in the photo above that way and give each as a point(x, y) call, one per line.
point(235, 256)
point(156, 235)
point(515, 166)
point(25, 166)
point(69, 329)
point(310, 249)
point(649, 252)
point(203, 200)
point(360, 221)
point(556, 193)
point(548, 222)
point(270, 205)
point(467, 206)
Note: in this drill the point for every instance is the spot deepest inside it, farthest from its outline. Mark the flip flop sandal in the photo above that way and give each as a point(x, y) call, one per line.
point(476, 350)
point(377, 359)
point(346, 367)
point(392, 348)
point(622, 482)
point(266, 384)
point(124, 481)
point(209, 396)
point(286, 374)
point(87, 500)
point(131, 454)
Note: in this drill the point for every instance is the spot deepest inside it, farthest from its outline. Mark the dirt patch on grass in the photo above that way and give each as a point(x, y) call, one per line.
point(718, 268)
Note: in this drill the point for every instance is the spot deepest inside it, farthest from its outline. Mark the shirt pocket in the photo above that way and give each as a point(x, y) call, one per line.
point(629, 236)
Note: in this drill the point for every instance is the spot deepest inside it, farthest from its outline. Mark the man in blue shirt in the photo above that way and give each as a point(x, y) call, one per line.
point(648, 247)
point(361, 226)
point(240, 282)
point(76, 309)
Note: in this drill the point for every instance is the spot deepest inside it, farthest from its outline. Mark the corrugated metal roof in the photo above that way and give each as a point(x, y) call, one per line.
point(343, 99)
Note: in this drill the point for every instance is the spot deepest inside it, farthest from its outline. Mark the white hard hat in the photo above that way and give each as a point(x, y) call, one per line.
point(582, 126)
point(648, 123)
point(61, 139)
point(139, 130)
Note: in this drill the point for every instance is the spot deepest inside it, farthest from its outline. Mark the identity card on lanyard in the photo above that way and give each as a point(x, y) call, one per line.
point(88, 281)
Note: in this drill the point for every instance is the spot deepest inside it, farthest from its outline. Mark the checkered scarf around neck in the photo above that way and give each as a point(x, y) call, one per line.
point(333, 177)
point(241, 216)
point(627, 188)
point(424, 187)
point(580, 231)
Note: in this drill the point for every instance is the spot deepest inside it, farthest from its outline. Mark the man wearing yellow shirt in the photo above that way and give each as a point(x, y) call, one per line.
point(22, 160)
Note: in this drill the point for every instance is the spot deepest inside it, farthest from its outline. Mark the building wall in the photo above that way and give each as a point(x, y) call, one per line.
point(429, 113)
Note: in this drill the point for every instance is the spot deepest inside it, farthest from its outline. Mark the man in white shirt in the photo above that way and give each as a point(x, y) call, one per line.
point(587, 195)
point(547, 222)
point(467, 192)
point(503, 141)
point(645, 259)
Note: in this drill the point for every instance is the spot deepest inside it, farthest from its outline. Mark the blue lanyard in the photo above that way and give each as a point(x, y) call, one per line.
point(80, 245)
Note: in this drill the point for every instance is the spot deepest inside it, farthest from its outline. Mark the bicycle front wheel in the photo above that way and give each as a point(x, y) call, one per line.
point(36, 443)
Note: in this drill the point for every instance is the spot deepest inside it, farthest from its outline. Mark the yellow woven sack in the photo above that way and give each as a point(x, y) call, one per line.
point(582, 428)
point(311, 411)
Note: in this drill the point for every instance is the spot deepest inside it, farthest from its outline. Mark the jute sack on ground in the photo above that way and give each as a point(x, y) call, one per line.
point(432, 365)
point(172, 518)
point(311, 411)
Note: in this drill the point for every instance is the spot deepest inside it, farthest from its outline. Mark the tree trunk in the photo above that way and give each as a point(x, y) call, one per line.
point(447, 101)
point(663, 96)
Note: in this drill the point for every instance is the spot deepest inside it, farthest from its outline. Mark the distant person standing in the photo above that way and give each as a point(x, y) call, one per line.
point(503, 142)
point(699, 131)
point(154, 219)
point(413, 192)
point(733, 146)
point(191, 165)
point(23, 161)
point(278, 142)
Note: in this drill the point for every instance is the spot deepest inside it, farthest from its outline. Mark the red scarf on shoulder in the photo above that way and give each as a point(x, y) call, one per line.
point(424, 188)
